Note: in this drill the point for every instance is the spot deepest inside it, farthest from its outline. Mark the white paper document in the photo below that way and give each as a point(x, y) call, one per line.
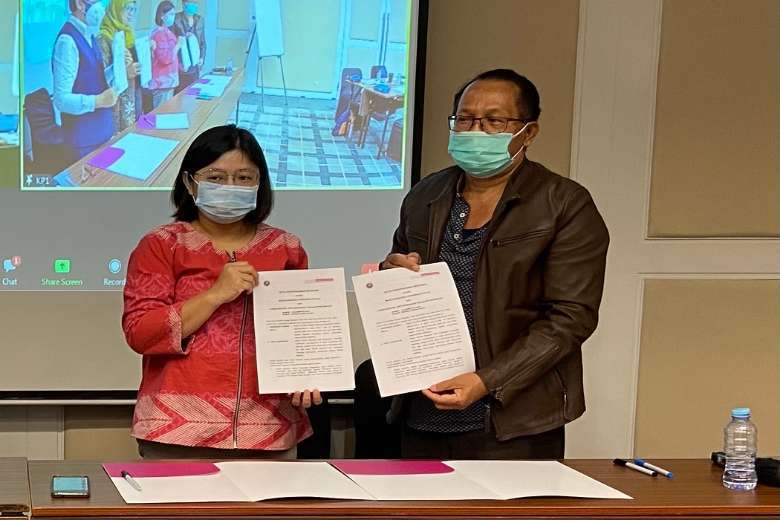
point(245, 481)
point(415, 327)
point(119, 67)
point(186, 61)
point(194, 47)
point(192, 488)
point(302, 331)
point(520, 479)
point(172, 121)
point(142, 155)
point(144, 51)
point(442, 486)
point(264, 480)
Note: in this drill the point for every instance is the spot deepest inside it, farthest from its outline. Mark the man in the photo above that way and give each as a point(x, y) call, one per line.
point(190, 25)
point(527, 249)
point(81, 92)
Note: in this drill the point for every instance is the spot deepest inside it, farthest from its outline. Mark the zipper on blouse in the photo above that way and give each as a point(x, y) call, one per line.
point(240, 362)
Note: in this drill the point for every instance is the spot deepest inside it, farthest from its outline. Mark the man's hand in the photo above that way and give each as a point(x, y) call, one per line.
point(411, 261)
point(106, 99)
point(457, 393)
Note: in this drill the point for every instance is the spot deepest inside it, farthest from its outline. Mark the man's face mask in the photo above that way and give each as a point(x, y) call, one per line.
point(481, 154)
point(93, 17)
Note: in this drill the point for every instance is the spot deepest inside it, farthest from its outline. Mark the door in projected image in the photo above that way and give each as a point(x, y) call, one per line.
point(376, 37)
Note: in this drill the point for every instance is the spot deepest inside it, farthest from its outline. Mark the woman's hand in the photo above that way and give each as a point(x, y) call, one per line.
point(133, 69)
point(306, 398)
point(235, 279)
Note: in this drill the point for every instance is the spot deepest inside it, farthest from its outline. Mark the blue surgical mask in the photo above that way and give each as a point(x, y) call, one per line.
point(169, 19)
point(481, 154)
point(225, 204)
point(94, 17)
point(191, 9)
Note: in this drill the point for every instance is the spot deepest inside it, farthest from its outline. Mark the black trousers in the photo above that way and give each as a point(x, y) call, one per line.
point(481, 444)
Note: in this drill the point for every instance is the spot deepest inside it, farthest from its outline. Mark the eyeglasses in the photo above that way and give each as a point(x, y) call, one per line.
point(239, 177)
point(490, 125)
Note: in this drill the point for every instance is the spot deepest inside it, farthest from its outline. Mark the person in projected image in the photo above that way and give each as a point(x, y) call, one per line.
point(81, 92)
point(121, 16)
point(527, 249)
point(191, 25)
point(188, 311)
point(165, 48)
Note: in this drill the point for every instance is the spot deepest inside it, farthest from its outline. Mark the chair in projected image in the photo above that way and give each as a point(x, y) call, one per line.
point(46, 153)
point(348, 103)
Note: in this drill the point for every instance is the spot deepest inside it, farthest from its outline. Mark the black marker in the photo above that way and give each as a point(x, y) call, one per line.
point(640, 469)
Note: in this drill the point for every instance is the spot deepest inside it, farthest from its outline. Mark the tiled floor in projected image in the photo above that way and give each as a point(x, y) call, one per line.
point(302, 153)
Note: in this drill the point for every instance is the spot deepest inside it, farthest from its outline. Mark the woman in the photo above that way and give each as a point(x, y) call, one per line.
point(189, 24)
point(121, 16)
point(165, 63)
point(188, 311)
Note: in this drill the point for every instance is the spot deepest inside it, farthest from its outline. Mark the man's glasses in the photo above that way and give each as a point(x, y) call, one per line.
point(490, 125)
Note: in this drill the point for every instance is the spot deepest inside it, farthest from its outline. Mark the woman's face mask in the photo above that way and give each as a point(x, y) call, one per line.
point(169, 19)
point(225, 203)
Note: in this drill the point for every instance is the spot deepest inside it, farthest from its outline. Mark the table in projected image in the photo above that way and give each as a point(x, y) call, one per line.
point(369, 102)
point(203, 114)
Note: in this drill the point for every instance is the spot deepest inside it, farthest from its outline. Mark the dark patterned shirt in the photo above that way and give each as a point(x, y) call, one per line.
point(460, 249)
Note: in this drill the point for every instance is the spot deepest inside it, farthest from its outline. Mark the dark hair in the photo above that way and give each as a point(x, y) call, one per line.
point(207, 148)
point(163, 8)
point(528, 97)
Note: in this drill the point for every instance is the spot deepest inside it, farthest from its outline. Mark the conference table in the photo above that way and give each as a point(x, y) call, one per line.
point(695, 492)
point(203, 114)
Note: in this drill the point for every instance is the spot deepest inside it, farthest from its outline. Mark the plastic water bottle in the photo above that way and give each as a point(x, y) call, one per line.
point(229, 67)
point(739, 444)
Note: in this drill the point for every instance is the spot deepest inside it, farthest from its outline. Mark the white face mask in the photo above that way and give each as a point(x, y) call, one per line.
point(225, 204)
point(94, 17)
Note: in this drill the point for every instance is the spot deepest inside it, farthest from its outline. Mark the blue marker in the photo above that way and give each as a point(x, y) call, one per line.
point(641, 462)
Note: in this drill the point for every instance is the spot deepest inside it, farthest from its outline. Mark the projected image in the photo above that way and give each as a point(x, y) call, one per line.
point(115, 90)
point(9, 94)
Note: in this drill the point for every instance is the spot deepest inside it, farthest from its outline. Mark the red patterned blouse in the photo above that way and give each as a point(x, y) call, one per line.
point(202, 390)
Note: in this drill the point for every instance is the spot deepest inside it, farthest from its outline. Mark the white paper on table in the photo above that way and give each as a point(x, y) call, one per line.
point(437, 486)
point(415, 327)
point(144, 50)
point(186, 61)
point(143, 155)
point(194, 48)
point(172, 121)
point(519, 479)
point(217, 80)
point(264, 480)
point(302, 331)
point(119, 66)
point(216, 487)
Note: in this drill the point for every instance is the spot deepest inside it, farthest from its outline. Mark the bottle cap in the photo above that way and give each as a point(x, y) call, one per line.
point(740, 413)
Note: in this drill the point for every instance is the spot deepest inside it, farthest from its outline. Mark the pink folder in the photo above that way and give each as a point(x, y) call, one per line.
point(160, 469)
point(391, 467)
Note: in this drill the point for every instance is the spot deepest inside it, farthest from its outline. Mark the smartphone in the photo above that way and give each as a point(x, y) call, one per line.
point(70, 486)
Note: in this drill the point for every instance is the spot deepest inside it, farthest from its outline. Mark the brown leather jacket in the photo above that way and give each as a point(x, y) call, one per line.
point(540, 276)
